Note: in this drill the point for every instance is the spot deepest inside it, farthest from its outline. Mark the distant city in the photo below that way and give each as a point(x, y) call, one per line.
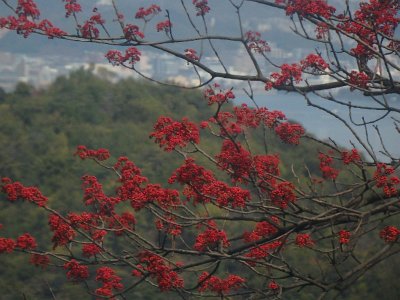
point(40, 71)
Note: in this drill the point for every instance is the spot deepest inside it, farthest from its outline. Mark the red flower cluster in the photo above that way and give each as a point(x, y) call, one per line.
point(255, 43)
point(262, 251)
point(262, 229)
point(214, 94)
point(304, 240)
point(169, 225)
point(314, 63)
point(50, 30)
point(201, 7)
point(385, 179)
point(191, 54)
point(119, 223)
point(157, 268)
point(89, 29)
point(83, 221)
point(169, 133)
point(63, 232)
point(6, 245)
point(389, 234)
point(72, 7)
point(344, 236)
point(288, 75)
point(308, 7)
point(132, 32)
point(272, 285)
point(76, 271)
point(235, 158)
point(15, 190)
point(244, 116)
point(358, 79)
point(40, 260)
point(322, 30)
point(266, 166)
point(219, 285)
point(90, 250)
point(164, 26)
point(147, 13)
point(93, 195)
point(226, 195)
point(325, 165)
point(351, 157)
point(282, 194)
point(99, 154)
point(115, 57)
point(211, 238)
point(372, 18)
point(22, 25)
point(26, 242)
point(27, 8)
point(131, 183)
point(110, 282)
point(202, 186)
point(290, 133)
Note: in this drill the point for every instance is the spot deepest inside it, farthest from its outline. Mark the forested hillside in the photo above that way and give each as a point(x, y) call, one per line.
point(39, 132)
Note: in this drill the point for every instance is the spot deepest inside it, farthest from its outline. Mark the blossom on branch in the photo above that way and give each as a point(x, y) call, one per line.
point(170, 134)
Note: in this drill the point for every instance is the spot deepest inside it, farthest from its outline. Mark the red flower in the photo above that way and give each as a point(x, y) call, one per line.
point(325, 165)
point(164, 26)
point(289, 133)
point(211, 237)
point(218, 285)
point(344, 236)
point(389, 234)
point(40, 260)
point(76, 271)
point(132, 32)
point(90, 250)
point(157, 268)
point(289, 73)
point(147, 13)
point(169, 133)
point(27, 8)
point(50, 30)
point(266, 167)
point(309, 7)
point(314, 63)
point(191, 54)
point(385, 179)
point(15, 190)
point(262, 251)
point(351, 156)
point(304, 240)
point(100, 154)
point(234, 157)
point(201, 7)
point(214, 94)
point(115, 57)
point(63, 232)
point(110, 281)
point(72, 7)
point(282, 194)
point(6, 245)
point(262, 229)
point(26, 241)
point(255, 43)
point(358, 79)
point(272, 285)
